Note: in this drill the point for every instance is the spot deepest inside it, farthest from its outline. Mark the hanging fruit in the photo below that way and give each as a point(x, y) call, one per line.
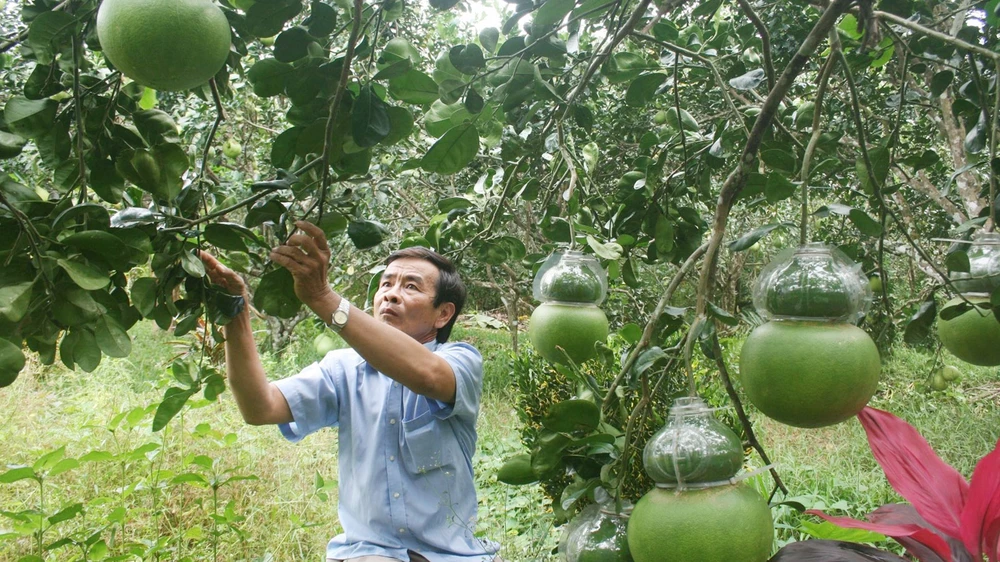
point(698, 510)
point(692, 447)
point(810, 366)
point(974, 335)
point(569, 322)
point(597, 534)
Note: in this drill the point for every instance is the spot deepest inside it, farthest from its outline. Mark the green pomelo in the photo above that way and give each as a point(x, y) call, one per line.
point(324, 343)
point(232, 148)
point(575, 329)
point(973, 337)
point(573, 286)
point(809, 374)
point(164, 44)
point(517, 471)
point(608, 542)
point(806, 299)
point(950, 373)
point(11, 362)
point(729, 523)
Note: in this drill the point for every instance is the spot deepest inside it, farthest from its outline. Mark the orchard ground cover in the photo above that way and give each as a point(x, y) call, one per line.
point(285, 510)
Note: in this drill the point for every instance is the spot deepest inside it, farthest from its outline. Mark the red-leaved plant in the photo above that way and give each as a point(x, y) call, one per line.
point(948, 518)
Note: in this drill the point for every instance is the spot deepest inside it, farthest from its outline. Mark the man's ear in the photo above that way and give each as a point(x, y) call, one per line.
point(445, 312)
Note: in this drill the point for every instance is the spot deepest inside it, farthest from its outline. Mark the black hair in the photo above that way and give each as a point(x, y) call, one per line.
point(450, 287)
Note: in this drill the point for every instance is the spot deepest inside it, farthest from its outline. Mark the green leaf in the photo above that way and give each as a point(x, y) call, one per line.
point(865, 223)
point(85, 275)
point(918, 328)
point(11, 362)
point(112, 338)
point(131, 217)
point(16, 474)
point(780, 160)
point(940, 82)
point(488, 38)
point(275, 294)
point(366, 234)
point(468, 59)
point(958, 260)
point(414, 87)
point(747, 241)
point(292, 44)
point(849, 25)
point(47, 31)
point(62, 466)
point(267, 18)
point(156, 126)
point(86, 354)
point(369, 118)
point(230, 236)
point(553, 11)
point(880, 163)
point(453, 151)
point(722, 315)
point(173, 400)
point(144, 295)
point(15, 296)
point(322, 20)
point(828, 531)
point(608, 251)
point(648, 358)
point(30, 118)
point(924, 160)
point(572, 415)
point(778, 187)
point(101, 243)
point(11, 144)
point(748, 81)
point(643, 88)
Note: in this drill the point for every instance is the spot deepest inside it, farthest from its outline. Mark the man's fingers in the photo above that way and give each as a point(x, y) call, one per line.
point(290, 258)
point(308, 245)
point(315, 232)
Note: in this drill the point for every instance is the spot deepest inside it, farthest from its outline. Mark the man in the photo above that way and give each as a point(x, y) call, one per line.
point(404, 401)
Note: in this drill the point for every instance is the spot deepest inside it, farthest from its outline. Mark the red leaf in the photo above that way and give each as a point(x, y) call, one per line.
point(939, 549)
point(936, 490)
point(981, 517)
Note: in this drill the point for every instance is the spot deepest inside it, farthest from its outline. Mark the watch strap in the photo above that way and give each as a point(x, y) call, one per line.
point(339, 317)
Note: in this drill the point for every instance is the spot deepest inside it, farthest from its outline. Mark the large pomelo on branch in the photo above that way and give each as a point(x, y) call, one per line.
point(573, 328)
point(974, 336)
point(164, 44)
point(728, 523)
point(809, 374)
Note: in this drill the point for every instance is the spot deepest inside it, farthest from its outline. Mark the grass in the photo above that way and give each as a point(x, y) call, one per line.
point(143, 499)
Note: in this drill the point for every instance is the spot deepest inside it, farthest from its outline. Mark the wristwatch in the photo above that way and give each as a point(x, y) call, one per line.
point(339, 318)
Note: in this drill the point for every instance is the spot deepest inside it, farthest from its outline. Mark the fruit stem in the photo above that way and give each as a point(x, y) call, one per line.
point(993, 150)
point(345, 73)
point(693, 334)
point(817, 131)
point(741, 413)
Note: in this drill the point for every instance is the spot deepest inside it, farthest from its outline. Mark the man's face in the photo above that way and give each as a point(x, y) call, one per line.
point(405, 299)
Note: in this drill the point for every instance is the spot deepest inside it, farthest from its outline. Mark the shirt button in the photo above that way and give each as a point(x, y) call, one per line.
point(402, 530)
point(392, 458)
point(396, 495)
point(392, 421)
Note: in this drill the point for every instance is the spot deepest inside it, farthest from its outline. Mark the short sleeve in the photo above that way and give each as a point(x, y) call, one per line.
point(312, 397)
point(467, 364)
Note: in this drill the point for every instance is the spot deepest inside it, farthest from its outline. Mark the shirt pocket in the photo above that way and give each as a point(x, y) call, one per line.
point(423, 444)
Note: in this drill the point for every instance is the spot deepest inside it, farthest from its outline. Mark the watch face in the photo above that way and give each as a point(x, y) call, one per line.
point(340, 318)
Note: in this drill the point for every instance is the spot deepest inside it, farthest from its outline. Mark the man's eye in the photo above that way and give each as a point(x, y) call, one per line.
point(411, 286)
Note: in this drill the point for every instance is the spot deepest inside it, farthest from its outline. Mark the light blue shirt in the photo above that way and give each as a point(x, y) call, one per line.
point(406, 479)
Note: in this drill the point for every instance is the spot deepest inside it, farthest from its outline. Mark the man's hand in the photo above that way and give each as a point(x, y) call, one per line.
point(222, 276)
point(307, 256)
